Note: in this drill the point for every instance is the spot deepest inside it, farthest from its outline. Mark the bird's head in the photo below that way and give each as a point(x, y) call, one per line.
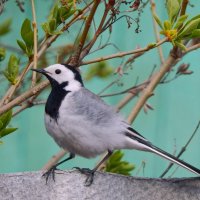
point(59, 74)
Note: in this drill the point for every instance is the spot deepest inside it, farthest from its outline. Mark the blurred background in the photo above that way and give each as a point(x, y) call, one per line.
point(175, 105)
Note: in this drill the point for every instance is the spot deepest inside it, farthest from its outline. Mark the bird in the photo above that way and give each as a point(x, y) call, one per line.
point(83, 124)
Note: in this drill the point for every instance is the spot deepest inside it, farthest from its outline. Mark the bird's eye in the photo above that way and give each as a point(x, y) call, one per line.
point(57, 71)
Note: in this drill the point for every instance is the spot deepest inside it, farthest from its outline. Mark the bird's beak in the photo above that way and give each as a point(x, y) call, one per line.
point(42, 71)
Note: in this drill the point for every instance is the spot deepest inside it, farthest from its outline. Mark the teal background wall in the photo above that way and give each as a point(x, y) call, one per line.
point(176, 104)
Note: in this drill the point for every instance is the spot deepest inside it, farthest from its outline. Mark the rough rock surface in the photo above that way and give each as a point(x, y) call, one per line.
point(69, 185)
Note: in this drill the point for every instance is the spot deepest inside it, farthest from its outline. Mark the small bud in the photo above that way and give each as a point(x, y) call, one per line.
point(135, 5)
point(187, 72)
point(151, 45)
point(119, 71)
point(182, 68)
point(147, 107)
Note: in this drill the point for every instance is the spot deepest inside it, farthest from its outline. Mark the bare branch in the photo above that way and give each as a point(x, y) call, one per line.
point(23, 97)
point(154, 82)
point(157, 34)
point(54, 159)
point(74, 60)
point(34, 23)
point(182, 150)
point(122, 54)
point(184, 6)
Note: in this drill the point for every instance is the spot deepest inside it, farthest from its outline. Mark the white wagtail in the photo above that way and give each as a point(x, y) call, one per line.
point(83, 124)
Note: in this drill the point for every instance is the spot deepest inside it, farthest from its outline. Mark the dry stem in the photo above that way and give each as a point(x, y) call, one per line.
point(157, 34)
point(182, 150)
point(35, 43)
point(148, 91)
point(74, 60)
point(122, 54)
point(54, 159)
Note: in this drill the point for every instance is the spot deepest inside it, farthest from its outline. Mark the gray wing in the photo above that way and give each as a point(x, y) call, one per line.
point(92, 107)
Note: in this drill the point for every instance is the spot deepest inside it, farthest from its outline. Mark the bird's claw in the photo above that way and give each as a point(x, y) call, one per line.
point(50, 172)
point(89, 173)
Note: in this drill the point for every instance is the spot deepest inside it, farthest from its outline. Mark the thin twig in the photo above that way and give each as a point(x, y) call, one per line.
point(20, 5)
point(148, 91)
point(141, 167)
point(157, 35)
point(28, 104)
point(182, 150)
point(184, 7)
point(175, 170)
point(192, 48)
point(74, 60)
point(97, 33)
point(134, 90)
point(130, 60)
point(23, 107)
point(23, 97)
point(54, 159)
point(122, 54)
point(34, 23)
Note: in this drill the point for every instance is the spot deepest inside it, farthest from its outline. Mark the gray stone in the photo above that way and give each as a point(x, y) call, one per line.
point(69, 185)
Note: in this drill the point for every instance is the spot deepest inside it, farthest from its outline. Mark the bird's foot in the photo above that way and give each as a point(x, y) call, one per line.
point(50, 173)
point(89, 173)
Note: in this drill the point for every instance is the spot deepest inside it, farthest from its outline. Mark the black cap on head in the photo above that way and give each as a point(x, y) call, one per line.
point(77, 75)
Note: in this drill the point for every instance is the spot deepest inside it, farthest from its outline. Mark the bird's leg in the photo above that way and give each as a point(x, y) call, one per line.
point(90, 172)
point(51, 171)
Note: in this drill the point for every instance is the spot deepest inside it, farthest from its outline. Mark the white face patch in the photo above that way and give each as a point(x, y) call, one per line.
point(60, 73)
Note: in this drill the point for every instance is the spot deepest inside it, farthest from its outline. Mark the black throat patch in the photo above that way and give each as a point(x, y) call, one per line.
point(55, 99)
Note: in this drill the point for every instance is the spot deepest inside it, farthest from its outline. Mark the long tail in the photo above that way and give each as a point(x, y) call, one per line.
point(147, 146)
point(173, 159)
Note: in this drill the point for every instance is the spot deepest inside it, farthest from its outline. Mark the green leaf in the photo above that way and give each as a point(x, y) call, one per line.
point(65, 12)
point(189, 28)
point(29, 39)
point(13, 63)
point(173, 8)
point(45, 27)
point(195, 33)
point(21, 45)
point(26, 28)
point(193, 18)
point(5, 27)
point(180, 45)
point(101, 70)
point(116, 157)
point(167, 25)
point(158, 21)
point(58, 32)
point(180, 21)
point(1, 124)
point(27, 32)
point(5, 119)
point(115, 164)
point(7, 131)
point(12, 69)
point(2, 54)
point(54, 12)
point(52, 25)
